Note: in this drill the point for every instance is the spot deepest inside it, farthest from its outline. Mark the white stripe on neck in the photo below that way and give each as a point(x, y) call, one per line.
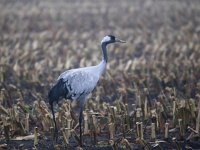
point(105, 39)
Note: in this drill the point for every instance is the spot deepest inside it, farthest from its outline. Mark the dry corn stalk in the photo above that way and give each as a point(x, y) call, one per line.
point(118, 107)
point(66, 140)
point(181, 128)
point(94, 122)
point(68, 133)
point(111, 130)
point(198, 121)
point(86, 129)
point(27, 122)
point(143, 143)
point(3, 146)
point(25, 111)
point(138, 114)
point(145, 109)
point(35, 136)
point(159, 110)
point(139, 101)
point(134, 107)
point(153, 131)
point(139, 130)
point(28, 137)
point(166, 130)
point(7, 131)
point(76, 137)
point(174, 112)
point(126, 143)
point(127, 117)
point(112, 110)
point(3, 110)
point(51, 129)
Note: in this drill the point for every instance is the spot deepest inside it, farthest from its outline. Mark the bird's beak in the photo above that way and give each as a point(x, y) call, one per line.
point(120, 41)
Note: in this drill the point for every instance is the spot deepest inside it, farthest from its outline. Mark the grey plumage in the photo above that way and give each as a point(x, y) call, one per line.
point(77, 84)
point(80, 82)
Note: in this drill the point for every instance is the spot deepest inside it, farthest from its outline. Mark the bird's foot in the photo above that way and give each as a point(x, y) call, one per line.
point(82, 145)
point(79, 148)
point(55, 136)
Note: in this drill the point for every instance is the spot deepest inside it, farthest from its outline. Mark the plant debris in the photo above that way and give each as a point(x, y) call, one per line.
point(149, 97)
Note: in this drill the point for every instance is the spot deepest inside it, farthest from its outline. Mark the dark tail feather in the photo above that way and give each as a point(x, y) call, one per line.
point(56, 92)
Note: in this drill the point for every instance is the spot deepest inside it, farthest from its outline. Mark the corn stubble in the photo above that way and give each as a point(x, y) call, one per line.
point(148, 97)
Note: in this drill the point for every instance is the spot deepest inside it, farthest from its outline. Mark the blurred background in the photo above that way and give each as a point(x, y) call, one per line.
point(41, 39)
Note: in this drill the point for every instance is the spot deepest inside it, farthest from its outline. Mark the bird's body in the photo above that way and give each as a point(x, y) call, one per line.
point(77, 84)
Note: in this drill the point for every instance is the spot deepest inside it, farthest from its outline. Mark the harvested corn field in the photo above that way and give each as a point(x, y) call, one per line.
point(149, 96)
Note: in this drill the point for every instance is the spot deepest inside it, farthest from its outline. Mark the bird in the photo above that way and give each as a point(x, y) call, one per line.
point(77, 84)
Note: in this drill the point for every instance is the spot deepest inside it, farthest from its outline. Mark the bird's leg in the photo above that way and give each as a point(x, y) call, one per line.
point(54, 119)
point(80, 121)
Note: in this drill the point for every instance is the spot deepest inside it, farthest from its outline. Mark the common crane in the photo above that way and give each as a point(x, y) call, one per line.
point(77, 84)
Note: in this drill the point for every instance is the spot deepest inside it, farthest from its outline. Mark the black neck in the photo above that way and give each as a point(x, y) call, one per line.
point(104, 51)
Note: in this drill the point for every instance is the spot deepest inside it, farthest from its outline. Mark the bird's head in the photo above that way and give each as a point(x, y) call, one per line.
point(111, 39)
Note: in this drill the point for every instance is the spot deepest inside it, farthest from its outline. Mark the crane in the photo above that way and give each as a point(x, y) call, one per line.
point(77, 84)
